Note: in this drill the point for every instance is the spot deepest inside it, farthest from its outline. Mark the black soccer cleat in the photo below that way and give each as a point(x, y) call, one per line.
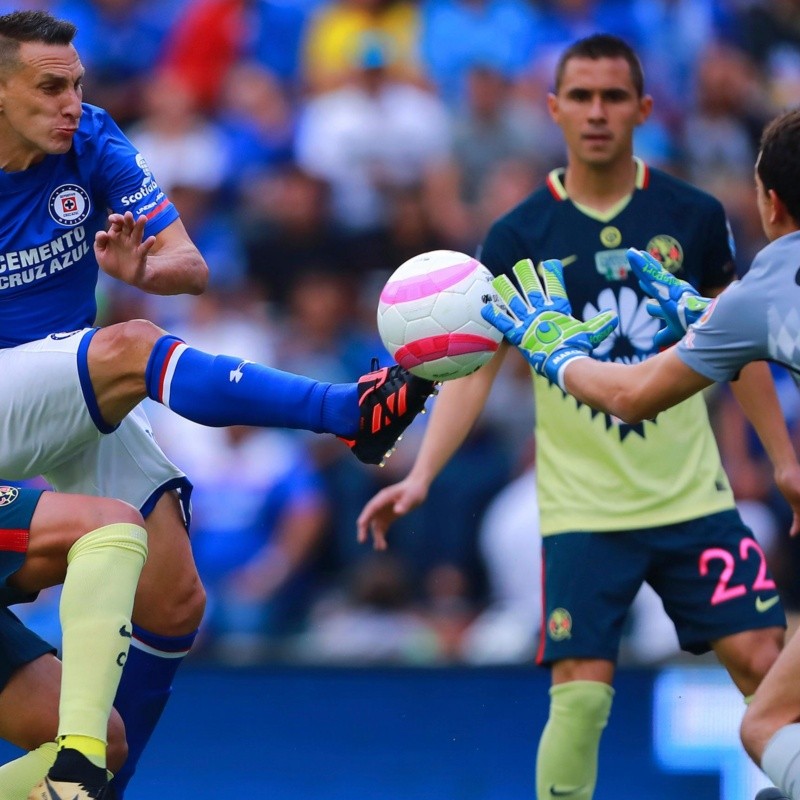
point(771, 794)
point(389, 399)
point(73, 777)
point(48, 789)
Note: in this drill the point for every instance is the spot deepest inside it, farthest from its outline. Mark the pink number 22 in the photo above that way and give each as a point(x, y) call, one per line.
point(723, 590)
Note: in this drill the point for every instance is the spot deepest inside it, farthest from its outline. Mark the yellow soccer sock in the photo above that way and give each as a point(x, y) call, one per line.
point(19, 776)
point(566, 763)
point(93, 749)
point(96, 603)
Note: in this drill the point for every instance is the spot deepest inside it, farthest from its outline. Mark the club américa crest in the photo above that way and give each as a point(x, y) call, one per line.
point(559, 624)
point(8, 494)
point(667, 250)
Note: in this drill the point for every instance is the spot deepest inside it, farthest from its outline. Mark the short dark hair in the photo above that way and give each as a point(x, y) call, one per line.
point(30, 26)
point(778, 164)
point(602, 45)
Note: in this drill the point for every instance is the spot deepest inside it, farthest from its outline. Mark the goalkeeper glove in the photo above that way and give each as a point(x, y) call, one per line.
point(677, 303)
point(539, 323)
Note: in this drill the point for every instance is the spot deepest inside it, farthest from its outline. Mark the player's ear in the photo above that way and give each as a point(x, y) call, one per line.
point(552, 106)
point(778, 213)
point(645, 107)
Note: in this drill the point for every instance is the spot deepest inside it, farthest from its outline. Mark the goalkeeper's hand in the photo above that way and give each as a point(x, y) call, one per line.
point(675, 302)
point(539, 322)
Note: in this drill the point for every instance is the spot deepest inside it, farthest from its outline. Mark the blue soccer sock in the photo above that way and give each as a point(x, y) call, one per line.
point(225, 390)
point(144, 690)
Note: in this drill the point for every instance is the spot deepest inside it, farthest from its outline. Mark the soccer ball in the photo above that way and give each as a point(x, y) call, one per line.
point(429, 315)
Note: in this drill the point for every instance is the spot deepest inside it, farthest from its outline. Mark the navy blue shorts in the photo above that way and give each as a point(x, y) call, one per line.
point(710, 573)
point(18, 644)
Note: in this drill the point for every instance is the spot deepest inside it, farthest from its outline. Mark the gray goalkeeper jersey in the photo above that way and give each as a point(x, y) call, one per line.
point(754, 319)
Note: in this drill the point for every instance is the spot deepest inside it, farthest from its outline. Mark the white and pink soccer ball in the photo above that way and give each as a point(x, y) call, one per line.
point(429, 315)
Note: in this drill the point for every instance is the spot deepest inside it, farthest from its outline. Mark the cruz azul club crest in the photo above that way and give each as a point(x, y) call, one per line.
point(69, 205)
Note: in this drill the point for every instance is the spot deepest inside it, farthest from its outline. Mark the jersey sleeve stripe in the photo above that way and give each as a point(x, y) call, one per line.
point(159, 208)
point(13, 540)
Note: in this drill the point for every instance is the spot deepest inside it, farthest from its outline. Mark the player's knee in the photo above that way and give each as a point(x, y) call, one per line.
point(767, 654)
point(98, 513)
point(193, 606)
point(754, 660)
point(138, 331)
point(755, 731)
point(117, 750)
point(110, 512)
point(584, 702)
point(125, 342)
point(171, 610)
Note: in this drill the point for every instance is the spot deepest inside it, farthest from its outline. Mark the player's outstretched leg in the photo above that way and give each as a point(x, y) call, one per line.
point(225, 390)
point(388, 400)
point(771, 794)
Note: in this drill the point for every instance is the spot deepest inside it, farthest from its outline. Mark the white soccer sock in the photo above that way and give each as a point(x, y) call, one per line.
point(781, 760)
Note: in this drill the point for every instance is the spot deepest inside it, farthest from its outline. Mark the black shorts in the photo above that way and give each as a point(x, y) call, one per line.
point(18, 644)
point(709, 572)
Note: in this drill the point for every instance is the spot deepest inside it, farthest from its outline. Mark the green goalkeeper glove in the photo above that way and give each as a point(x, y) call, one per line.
point(540, 322)
point(677, 303)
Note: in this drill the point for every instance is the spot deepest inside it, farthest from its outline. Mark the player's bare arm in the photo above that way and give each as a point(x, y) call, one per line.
point(755, 393)
point(538, 321)
point(634, 392)
point(165, 264)
point(455, 411)
point(677, 304)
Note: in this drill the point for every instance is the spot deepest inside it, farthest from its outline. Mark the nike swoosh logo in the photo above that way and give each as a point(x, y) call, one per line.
point(564, 791)
point(765, 605)
point(54, 795)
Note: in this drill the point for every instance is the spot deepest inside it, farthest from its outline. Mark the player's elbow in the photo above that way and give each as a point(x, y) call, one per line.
point(199, 276)
point(631, 405)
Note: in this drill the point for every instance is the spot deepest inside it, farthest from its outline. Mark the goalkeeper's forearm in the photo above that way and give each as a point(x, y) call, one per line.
point(455, 410)
point(633, 392)
point(755, 393)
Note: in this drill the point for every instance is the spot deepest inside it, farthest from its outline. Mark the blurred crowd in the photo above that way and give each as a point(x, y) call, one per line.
point(312, 146)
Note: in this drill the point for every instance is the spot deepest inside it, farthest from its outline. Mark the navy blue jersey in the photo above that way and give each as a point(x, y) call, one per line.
point(596, 473)
point(681, 226)
point(49, 215)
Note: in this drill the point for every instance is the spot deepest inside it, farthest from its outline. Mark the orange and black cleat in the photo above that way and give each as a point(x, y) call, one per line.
point(389, 399)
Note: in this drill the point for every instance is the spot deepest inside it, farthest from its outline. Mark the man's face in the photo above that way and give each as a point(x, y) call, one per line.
point(597, 109)
point(40, 102)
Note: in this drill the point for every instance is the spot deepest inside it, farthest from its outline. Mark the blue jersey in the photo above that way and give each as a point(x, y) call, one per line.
point(49, 215)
